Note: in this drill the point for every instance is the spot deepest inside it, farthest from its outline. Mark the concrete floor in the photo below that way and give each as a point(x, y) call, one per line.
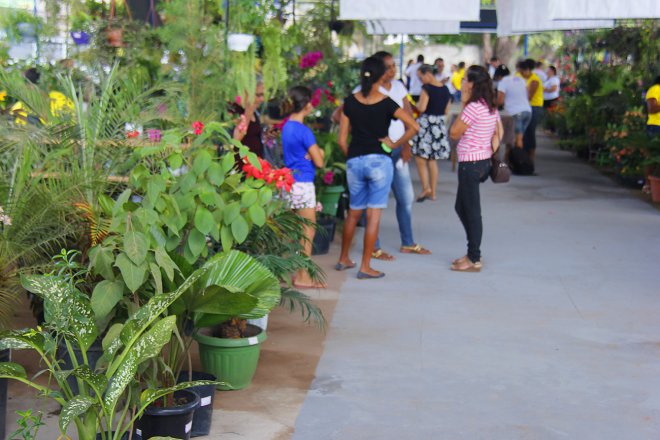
point(558, 337)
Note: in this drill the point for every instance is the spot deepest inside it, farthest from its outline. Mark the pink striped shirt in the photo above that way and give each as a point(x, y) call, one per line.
point(475, 144)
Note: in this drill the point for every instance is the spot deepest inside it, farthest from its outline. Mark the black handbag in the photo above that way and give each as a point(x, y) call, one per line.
point(499, 171)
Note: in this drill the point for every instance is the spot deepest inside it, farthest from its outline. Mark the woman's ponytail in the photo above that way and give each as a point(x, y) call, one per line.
point(371, 72)
point(297, 100)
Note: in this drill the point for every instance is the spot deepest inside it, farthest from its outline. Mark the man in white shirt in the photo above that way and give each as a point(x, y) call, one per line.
point(540, 72)
point(402, 186)
point(493, 65)
point(415, 82)
point(512, 94)
point(440, 73)
point(551, 88)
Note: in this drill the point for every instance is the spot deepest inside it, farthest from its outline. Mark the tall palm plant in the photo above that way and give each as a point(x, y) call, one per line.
point(52, 168)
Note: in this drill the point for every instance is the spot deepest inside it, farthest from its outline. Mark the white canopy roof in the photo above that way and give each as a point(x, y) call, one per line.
point(415, 27)
point(445, 10)
point(603, 9)
point(516, 17)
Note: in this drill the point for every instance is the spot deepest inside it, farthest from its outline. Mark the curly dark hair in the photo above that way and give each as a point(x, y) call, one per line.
point(482, 86)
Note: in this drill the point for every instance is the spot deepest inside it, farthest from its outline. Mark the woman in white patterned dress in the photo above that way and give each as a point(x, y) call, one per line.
point(431, 142)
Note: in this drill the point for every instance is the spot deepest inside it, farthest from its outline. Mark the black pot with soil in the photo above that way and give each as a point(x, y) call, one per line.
point(169, 421)
point(4, 357)
point(203, 415)
point(325, 233)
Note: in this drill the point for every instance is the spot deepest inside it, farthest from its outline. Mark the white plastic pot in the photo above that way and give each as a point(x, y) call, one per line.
point(239, 42)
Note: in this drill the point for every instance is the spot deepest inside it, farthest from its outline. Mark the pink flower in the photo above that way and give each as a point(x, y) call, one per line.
point(319, 207)
point(238, 100)
point(198, 127)
point(154, 135)
point(310, 59)
point(316, 98)
point(329, 177)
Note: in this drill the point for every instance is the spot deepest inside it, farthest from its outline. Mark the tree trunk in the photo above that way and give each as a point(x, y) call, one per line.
point(507, 48)
point(488, 48)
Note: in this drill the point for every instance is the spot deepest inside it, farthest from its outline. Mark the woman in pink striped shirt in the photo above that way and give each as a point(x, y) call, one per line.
point(479, 129)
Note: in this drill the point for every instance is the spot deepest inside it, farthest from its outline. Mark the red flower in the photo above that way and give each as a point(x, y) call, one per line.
point(281, 177)
point(316, 98)
point(132, 134)
point(198, 127)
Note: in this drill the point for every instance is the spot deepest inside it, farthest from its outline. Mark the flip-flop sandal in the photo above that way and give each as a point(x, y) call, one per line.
point(341, 266)
point(379, 254)
point(474, 267)
point(463, 258)
point(365, 276)
point(414, 249)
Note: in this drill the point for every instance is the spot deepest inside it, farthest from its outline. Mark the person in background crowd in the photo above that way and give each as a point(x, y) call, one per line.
point(452, 69)
point(408, 64)
point(538, 69)
point(551, 88)
point(457, 80)
point(493, 65)
point(440, 74)
point(535, 96)
point(369, 169)
point(249, 129)
point(431, 142)
point(301, 155)
point(512, 94)
point(653, 120)
point(480, 131)
point(415, 87)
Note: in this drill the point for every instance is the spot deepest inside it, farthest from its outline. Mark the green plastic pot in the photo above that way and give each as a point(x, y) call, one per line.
point(232, 361)
point(329, 197)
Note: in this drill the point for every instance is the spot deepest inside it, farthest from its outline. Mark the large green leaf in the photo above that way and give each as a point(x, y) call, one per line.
point(232, 211)
point(105, 297)
point(67, 310)
point(257, 215)
point(101, 260)
point(240, 229)
point(147, 345)
point(23, 339)
point(75, 407)
point(202, 161)
point(204, 220)
point(238, 275)
point(134, 275)
point(249, 198)
point(226, 238)
point(165, 263)
point(196, 242)
point(135, 247)
point(12, 370)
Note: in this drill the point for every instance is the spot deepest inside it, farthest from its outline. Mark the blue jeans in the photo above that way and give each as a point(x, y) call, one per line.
point(404, 195)
point(369, 178)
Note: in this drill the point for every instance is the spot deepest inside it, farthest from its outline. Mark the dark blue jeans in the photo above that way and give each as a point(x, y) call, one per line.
point(468, 203)
point(653, 130)
point(529, 138)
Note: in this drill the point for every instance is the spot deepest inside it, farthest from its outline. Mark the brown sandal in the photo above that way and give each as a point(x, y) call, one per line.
point(380, 254)
point(470, 267)
point(414, 249)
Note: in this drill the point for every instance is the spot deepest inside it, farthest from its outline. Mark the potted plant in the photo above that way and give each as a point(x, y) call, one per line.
point(80, 28)
point(109, 401)
point(652, 164)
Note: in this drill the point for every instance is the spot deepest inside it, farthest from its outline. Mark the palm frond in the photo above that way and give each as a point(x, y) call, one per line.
point(310, 312)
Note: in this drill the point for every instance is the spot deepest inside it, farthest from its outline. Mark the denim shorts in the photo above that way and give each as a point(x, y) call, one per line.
point(521, 121)
point(369, 180)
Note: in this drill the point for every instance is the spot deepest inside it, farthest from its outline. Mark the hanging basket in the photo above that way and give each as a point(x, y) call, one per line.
point(115, 37)
point(239, 42)
point(81, 38)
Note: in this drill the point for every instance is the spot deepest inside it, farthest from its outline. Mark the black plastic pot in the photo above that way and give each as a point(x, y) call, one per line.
point(4, 357)
point(93, 355)
point(325, 233)
point(175, 422)
point(203, 415)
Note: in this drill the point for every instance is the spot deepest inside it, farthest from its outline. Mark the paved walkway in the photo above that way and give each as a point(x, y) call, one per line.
point(557, 338)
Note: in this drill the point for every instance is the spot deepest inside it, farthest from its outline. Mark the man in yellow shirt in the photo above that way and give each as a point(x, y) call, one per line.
point(535, 96)
point(653, 107)
point(653, 121)
point(457, 79)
